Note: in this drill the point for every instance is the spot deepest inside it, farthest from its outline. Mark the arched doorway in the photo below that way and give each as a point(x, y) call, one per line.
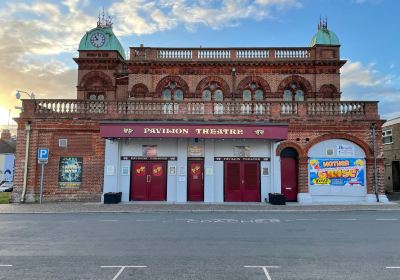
point(289, 170)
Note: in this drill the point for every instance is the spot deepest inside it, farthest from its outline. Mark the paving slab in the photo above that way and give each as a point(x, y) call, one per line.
point(98, 207)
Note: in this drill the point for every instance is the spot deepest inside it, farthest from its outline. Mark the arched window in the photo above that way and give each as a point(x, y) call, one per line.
point(253, 92)
point(212, 91)
point(96, 96)
point(294, 91)
point(172, 91)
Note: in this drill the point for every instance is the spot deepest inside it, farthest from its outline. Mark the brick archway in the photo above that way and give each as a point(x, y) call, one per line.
point(366, 148)
point(96, 80)
point(139, 91)
point(250, 79)
point(172, 78)
point(297, 147)
point(328, 91)
point(299, 79)
point(221, 82)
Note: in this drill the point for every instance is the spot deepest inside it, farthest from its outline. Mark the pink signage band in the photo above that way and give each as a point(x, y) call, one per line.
point(209, 131)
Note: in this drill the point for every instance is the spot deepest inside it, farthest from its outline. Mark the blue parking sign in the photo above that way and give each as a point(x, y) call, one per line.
point(43, 155)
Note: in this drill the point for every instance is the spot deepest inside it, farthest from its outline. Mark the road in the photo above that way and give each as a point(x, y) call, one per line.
point(201, 245)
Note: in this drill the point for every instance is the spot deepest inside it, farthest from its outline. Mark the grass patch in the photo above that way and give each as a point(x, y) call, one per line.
point(4, 197)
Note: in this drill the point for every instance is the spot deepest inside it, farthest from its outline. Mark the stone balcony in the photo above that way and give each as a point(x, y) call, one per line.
point(272, 111)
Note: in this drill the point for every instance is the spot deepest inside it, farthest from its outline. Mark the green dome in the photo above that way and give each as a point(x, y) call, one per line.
point(324, 36)
point(101, 38)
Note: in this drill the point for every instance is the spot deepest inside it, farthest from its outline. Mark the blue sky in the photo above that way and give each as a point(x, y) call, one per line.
point(39, 38)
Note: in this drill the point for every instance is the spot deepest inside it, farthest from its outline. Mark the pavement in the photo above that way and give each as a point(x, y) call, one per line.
point(134, 207)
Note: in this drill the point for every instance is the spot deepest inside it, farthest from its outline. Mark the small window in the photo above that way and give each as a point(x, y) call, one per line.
point(218, 95)
point(287, 95)
point(100, 97)
point(166, 94)
point(246, 95)
point(299, 95)
point(259, 95)
point(93, 97)
point(178, 95)
point(387, 136)
point(206, 95)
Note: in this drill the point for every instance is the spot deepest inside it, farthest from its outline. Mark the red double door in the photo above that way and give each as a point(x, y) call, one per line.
point(195, 180)
point(149, 180)
point(242, 181)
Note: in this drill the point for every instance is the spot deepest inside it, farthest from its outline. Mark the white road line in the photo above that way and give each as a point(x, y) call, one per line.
point(395, 267)
point(387, 219)
point(6, 265)
point(146, 220)
point(264, 268)
point(122, 267)
point(108, 220)
point(305, 219)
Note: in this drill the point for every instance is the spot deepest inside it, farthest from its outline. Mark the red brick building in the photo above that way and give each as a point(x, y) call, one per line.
point(202, 124)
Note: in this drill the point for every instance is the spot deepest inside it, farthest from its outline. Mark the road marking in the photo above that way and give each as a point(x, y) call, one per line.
point(6, 265)
point(122, 268)
point(346, 219)
point(264, 268)
point(229, 221)
point(148, 220)
point(108, 220)
point(395, 267)
point(305, 219)
point(387, 219)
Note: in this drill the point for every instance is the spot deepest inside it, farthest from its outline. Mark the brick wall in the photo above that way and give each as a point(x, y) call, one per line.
point(83, 141)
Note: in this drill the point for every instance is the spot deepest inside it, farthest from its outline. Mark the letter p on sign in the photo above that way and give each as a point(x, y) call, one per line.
point(43, 156)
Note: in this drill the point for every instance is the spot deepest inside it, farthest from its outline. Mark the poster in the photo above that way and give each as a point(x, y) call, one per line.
point(70, 172)
point(336, 171)
point(345, 150)
point(149, 150)
point(7, 167)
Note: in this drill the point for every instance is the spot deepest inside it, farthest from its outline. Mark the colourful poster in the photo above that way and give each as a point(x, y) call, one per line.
point(70, 172)
point(336, 171)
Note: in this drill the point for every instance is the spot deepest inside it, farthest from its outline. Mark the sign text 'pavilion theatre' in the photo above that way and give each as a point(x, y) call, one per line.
point(202, 124)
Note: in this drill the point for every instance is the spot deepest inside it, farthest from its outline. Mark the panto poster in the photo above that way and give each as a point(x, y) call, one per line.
point(70, 172)
point(336, 171)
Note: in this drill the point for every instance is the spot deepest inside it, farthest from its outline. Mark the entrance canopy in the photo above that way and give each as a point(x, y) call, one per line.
point(193, 130)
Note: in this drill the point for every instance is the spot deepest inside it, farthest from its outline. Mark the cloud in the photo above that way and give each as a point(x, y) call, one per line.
point(364, 82)
point(146, 17)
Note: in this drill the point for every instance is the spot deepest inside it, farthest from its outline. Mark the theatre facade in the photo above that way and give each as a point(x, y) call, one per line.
point(211, 125)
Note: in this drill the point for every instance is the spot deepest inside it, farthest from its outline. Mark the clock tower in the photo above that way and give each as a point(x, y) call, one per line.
point(101, 64)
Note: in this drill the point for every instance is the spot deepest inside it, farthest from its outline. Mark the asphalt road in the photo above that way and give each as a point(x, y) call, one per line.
point(216, 245)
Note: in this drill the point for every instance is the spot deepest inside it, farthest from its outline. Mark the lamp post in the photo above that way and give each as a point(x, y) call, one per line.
point(18, 94)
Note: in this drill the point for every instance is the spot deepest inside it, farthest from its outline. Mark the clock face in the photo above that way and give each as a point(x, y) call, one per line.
point(98, 39)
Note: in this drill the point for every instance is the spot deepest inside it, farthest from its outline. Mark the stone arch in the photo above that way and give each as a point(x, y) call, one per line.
point(295, 146)
point(222, 83)
point(139, 91)
point(296, 78)
point(366, 148)
point(249, 79)
point(96, 80)
point(172, 78)
point(328, 91)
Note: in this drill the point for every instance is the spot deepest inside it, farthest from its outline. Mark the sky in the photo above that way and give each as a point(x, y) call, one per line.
point(39, 38)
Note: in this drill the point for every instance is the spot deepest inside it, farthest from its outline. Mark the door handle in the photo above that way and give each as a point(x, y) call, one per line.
point(149, 178)
point(242, 181)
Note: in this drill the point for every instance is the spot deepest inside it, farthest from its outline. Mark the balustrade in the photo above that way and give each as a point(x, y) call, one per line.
point(194, 54)
point(274, 110)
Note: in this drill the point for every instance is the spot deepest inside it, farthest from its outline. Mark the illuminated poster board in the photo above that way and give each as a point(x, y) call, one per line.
point(70, 172)
point(336, 172)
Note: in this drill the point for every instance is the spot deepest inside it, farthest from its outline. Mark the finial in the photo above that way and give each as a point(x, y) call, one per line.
point(103, 20)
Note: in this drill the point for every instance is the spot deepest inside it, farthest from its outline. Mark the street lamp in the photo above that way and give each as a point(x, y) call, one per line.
point(18, 94)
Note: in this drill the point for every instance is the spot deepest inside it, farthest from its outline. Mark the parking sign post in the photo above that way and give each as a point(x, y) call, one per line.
point(43, 158)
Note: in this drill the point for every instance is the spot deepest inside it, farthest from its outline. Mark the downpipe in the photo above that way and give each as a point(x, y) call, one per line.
point(373, 132)
point(28, 134)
